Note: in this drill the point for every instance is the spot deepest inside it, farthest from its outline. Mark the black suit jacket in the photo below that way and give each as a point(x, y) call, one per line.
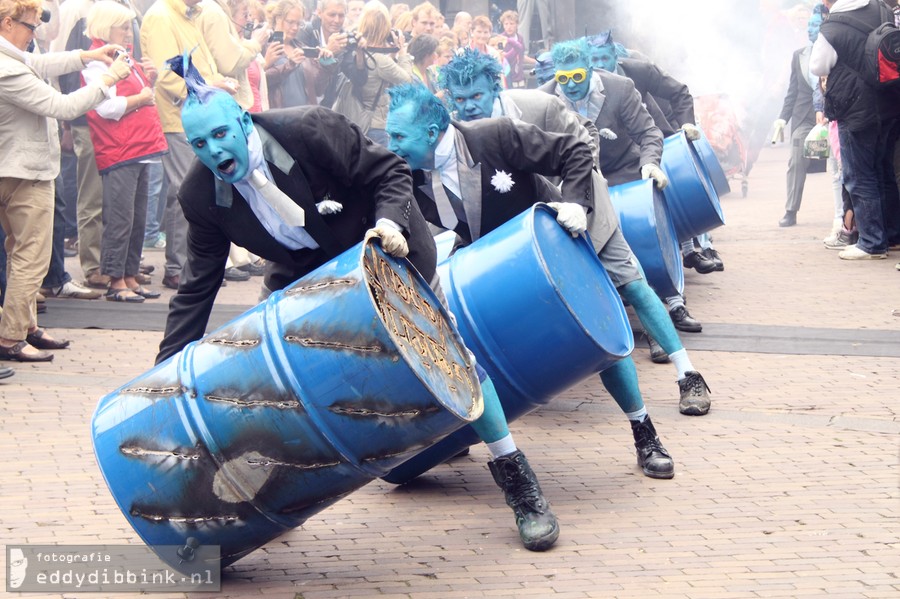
point(668, 100)
point(324, 155)
point(486, 149)
point(798, 103)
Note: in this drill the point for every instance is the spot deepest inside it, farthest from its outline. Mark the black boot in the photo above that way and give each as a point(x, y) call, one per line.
point(713, 255)
point(652, 457)
point(537, 524)
point(683, 320)
point(789, 219)
point(698, 262)
point(694, 394)
point(657, 354)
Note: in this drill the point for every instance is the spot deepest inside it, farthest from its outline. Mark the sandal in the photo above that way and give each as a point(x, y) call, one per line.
point(15, 353)
point(123, 295)
point(38, 340)
point(144, 292)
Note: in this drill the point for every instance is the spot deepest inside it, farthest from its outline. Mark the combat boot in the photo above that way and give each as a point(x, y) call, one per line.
point(538, 527)
point(652, 457)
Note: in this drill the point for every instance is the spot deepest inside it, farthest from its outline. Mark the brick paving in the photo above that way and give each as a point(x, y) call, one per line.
point(788, 488)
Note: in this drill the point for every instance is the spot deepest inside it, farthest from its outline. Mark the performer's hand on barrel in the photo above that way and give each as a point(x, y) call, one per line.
point(691, 130)
point(392, 240)
point(571, 216)
point(652, 171)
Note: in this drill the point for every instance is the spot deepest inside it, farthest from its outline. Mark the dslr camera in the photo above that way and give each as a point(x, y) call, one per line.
point(352, 41)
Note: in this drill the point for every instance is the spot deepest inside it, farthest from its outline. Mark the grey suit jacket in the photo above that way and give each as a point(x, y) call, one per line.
point(798, 103)
point(550, 114)
point(615, 104)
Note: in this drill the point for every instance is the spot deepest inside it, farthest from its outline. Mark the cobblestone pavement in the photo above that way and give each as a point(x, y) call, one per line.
point(788, 488)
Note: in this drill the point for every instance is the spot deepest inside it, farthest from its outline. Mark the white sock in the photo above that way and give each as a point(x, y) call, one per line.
point(639, 415)
point(674, 301)
point(504, 446)
point(681, 362)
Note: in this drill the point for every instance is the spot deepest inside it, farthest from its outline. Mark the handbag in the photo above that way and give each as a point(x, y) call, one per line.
point(351, 107)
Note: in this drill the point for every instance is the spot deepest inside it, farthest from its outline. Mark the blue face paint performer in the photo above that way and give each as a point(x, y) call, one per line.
point(799, 110)
point(538, 109)
point(671, 105)
point(297, 187)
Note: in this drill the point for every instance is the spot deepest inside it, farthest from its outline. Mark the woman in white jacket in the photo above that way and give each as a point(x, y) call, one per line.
point(29, 162)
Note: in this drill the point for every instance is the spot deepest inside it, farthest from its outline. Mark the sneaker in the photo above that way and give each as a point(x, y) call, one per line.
point(844, 239)
point(694, 394)
point(71, 290)
point(854, 253)
point(156, 244)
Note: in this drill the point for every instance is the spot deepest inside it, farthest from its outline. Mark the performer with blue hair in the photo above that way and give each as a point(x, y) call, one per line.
point(298, 187)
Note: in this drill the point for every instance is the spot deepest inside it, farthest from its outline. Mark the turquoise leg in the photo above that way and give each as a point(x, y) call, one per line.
point(621, 381)
point(652, 314)
point(492, 424)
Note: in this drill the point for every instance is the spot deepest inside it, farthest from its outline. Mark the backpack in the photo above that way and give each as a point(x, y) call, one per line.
point(881, 53)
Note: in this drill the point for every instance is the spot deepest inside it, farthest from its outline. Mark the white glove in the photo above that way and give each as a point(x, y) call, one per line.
point(608, 134)
point(392, 240)
point(691, 130)
point(651, 171)
point(329, 207)
point(571, 216)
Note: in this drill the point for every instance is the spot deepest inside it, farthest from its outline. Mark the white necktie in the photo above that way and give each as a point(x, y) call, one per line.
point(292, 214)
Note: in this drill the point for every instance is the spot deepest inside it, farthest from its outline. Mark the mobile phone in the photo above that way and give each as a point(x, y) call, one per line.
point(277, 37)
point(310, 52)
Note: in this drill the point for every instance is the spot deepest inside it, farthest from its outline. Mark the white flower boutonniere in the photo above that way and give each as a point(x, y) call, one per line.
point(502, 181)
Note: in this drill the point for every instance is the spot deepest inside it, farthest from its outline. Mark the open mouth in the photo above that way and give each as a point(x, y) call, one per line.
point(226, 167)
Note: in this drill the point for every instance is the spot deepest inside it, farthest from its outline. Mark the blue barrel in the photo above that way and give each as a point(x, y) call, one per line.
point(539, 312)
point(690, 195)
point(270, 419)
point(648, 229)
point(711, 163)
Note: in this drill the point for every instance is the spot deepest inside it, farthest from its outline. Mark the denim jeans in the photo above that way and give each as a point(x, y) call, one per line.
point(56, 274)
point(67, 184)
point(859, 157)
point(890, 194)
point(155, 208)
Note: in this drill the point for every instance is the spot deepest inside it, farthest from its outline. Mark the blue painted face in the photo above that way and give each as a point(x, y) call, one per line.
point(217, 132)
point(812, 27)
point(410, 138)
point(476, 100)
point(604, 57)
point(572, 90)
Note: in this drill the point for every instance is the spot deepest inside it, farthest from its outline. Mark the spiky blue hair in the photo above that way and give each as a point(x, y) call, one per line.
point(428, 108)
point(570, 51)
point(198, 91)
point(467, 66)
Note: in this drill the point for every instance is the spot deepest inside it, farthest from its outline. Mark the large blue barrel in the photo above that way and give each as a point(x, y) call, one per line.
point(711, 163)
point(648, 229)
point(270, 419)
point(539, 312)
point(690, 195)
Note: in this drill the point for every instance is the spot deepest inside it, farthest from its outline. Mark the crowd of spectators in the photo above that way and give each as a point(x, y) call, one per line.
point(93, 150)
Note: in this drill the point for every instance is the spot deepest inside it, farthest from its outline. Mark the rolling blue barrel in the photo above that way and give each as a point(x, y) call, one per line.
point(280, 413)
point(711, 163)
point(539, 312)
point(648, 229)
point(690, 195)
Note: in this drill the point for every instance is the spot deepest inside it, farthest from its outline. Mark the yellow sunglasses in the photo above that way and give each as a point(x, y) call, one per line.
point(576, 75)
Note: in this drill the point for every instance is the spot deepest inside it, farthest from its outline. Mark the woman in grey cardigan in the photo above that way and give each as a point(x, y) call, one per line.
point(29, 162)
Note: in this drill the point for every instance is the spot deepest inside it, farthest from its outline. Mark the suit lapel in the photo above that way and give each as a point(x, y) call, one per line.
point(469, 184)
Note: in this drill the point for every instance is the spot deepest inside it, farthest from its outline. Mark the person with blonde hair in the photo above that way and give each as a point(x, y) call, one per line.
point(287, 79)
point(387, 61)
point(424, 18)
point(29, 162)
point(128, 139)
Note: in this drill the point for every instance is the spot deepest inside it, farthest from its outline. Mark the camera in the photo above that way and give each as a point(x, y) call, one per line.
point(45, 16)
point(352, 40)
point(120, 53)
point(249, 28)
